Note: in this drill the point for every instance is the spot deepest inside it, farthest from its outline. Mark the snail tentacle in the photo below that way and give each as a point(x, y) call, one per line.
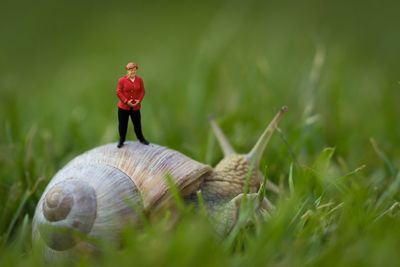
point(223, 141)
point(254, 156)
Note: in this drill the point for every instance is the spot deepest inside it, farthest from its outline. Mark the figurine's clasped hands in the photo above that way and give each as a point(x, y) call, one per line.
point(136, 103)
point(131, 104)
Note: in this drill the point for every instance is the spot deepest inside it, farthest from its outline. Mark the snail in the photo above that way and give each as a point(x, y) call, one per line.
point(104, 189)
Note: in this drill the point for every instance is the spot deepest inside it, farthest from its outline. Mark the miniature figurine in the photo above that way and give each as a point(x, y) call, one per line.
point(130, 91)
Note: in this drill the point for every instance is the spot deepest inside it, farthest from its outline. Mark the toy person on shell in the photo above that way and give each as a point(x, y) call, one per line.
point(130, 91)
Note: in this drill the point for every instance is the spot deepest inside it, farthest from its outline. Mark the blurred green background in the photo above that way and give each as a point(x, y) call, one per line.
point(334, 63)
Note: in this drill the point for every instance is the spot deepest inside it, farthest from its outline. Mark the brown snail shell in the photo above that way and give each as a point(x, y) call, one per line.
point(94, 193)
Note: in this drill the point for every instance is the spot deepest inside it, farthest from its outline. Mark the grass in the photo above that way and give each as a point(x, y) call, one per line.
point(335, 157)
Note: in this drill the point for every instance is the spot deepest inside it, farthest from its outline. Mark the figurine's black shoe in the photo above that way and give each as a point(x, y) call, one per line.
point(120, 144)
point(144, 142)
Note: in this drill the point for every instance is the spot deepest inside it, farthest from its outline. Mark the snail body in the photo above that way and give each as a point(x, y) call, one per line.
point(101, 191)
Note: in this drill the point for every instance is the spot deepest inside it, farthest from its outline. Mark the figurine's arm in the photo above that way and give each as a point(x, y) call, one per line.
point(120, 95)
point(141, 94)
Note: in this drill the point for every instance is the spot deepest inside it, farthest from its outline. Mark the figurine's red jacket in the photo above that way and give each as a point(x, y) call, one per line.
point(128, 90)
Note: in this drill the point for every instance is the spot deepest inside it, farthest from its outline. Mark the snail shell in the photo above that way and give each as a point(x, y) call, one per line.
point(100, 191)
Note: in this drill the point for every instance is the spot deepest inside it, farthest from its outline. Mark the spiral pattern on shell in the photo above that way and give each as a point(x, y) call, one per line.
point(60, 200)
point(57, 206)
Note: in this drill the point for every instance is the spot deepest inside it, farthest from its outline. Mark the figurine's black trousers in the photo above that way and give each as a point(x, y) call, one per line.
point(123, 117)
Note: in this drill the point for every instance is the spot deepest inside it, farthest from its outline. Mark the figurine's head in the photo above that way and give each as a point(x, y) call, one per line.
point(131, 69)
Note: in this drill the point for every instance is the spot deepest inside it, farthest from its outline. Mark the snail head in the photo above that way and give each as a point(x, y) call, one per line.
point(241, 170)
point(235, 176)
